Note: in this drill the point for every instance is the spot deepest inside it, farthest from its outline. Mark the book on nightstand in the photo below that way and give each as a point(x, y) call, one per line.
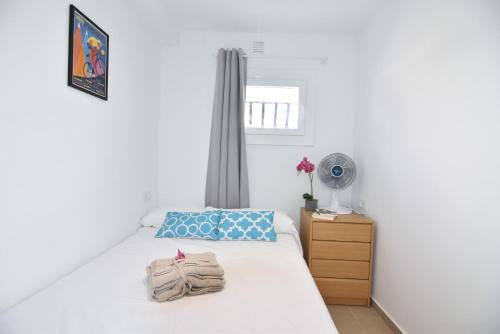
point(324, 214)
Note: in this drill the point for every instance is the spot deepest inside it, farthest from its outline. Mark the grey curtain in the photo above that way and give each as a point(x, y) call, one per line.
point(227, 174)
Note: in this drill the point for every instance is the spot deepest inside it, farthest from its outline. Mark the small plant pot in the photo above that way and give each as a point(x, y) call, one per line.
point(311, 204)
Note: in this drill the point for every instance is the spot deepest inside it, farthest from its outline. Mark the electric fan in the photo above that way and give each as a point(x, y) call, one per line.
point(338, 172)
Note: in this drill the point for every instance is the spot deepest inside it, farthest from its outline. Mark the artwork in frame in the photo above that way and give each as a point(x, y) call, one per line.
point(88, 55)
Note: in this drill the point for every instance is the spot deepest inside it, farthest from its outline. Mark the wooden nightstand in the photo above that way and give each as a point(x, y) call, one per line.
point(339, 256)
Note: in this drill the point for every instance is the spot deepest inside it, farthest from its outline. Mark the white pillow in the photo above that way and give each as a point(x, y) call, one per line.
point(281, 221)
point(156, 216)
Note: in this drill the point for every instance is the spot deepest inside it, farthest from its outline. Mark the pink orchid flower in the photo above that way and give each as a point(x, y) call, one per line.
point(308, 167)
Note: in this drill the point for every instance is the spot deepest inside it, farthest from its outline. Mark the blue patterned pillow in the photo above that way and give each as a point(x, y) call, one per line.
point(191, 225)
point(246, 225)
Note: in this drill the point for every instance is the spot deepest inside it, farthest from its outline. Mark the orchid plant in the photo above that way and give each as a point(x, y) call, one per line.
point(307, 167)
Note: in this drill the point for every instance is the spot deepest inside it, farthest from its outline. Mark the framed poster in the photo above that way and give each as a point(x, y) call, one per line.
point(88, 55)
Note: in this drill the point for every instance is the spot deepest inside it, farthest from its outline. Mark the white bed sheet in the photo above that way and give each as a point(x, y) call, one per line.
point(268, 290)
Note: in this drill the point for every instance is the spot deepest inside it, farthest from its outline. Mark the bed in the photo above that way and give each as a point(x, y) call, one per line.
point(268, 290)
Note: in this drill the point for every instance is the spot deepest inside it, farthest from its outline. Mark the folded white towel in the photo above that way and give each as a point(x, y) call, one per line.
point(196, 274)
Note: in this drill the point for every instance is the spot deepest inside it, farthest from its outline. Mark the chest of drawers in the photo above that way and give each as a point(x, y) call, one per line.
point(339, 256)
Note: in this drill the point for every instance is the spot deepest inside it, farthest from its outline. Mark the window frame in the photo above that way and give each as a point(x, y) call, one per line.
point(300, 131)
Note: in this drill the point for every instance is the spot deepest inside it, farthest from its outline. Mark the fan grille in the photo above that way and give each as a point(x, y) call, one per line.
point(334, 161)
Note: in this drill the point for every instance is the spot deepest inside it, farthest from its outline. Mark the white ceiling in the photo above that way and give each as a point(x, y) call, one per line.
point(272, 16)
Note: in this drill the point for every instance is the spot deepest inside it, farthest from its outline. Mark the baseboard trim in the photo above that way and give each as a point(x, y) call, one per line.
point(395, 328)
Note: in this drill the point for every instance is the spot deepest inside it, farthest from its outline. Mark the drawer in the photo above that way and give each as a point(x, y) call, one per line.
point(343, 288)
point(341, 231)
point(334, 250)
point(340, 269)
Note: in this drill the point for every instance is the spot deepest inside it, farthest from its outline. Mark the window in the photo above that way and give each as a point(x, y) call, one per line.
point(274, 108)
point(282, 95)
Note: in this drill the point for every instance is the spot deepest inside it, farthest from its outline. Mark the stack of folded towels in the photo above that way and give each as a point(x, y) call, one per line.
point(189, 274)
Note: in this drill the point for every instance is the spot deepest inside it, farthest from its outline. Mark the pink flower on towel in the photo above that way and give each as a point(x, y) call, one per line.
point(180, 255)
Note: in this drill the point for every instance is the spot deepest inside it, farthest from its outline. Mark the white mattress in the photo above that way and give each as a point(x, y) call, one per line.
point(268, 290)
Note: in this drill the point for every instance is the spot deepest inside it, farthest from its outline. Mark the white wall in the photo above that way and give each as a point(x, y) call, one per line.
point(73, 168)
point(186, 111)
point(427, 144)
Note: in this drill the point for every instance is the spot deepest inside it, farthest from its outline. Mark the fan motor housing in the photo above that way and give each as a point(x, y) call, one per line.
point(337, 171)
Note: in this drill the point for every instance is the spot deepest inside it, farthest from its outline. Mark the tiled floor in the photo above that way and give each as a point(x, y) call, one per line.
point(358, 320)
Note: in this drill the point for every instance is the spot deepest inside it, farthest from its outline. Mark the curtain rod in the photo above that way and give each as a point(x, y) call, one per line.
point(322, 60)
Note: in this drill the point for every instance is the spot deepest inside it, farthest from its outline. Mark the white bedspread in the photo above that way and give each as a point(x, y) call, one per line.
point(268, 290)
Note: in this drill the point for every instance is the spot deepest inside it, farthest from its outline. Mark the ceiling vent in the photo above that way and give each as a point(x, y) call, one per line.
point(258, 47)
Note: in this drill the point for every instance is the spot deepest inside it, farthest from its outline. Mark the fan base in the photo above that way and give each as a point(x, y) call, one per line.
point(336, 206)
point(341, 210)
